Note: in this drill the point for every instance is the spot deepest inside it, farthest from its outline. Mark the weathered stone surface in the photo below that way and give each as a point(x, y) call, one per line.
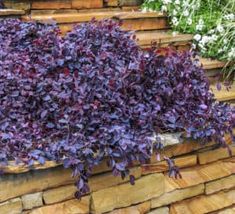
point(11, 12)
point(81, 4)
point(214, 155)
point(187, 161)
point(59, 194)
point(112, 3)
point(106, 180)
point(12, 168)
point(138, 209)
point(12, 186)
point(130, 2)
point(177, 195)
point(180, 149)
point(145, 24)
point(204, 204)
point(32, 200)
point(200, 174)
point(17, 4)
point(230, 210)
point(68, 207)
point(221, 184)
point(162, 210)
point(13, 206)
point(125, 195)
point(51, 4)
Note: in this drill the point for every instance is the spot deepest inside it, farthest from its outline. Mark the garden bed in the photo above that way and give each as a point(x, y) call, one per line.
point(96, 102)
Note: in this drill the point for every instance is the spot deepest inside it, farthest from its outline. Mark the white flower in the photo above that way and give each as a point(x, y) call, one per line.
point(144, 10)
point(186, 13)
point(230, 16)
point(174, 12)
point(177, 2)
point(214, 37)
point(185, 3)
point(164, 8)
point(201, 22)
point(197, 37)
point(166, 1)
point(205, 40)
point(194, 46)
point(211, 31)
point(199, 27)
point(231, 54)
point(220, 28)
point(189, 21)
point(175, 21)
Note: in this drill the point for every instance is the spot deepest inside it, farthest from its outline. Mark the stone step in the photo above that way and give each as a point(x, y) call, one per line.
point(210, 64)
point(224, 94)
point(11, 13)
point(146, 38)
point(132, 20)
point(149, 27)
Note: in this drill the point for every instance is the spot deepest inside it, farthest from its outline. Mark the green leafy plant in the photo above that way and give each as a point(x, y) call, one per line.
point(211, 21)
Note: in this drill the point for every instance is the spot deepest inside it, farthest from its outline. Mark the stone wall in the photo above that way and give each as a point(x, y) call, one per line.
point(28, 5)
point(207, 186)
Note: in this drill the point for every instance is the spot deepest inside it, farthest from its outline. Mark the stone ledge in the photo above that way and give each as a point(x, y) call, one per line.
point(12, 168)
point(174, 146)
point(11, 12)
point(145, 188)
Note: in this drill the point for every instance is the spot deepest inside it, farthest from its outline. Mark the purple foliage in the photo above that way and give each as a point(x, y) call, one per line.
point(2, 4)
point(95, 94)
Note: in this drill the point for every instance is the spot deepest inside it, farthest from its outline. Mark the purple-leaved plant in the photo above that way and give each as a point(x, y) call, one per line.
point(94, 94)
point(1, 4)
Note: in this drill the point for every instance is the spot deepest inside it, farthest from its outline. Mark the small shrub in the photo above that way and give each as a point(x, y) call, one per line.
point(95, 94)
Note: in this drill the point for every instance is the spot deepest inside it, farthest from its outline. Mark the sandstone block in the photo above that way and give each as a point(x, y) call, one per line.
point(112, 3)
point(18, 4)
point(12, 186)
point(221, 184)
point(161, 210)
point(68, 207)
point(204, 204)
point(32, 200)
point(11, 12)
point(177, 195)
point(124, 195)
point(199, 174)
point(13, 206)
point(180, 149)
point(214, 155)
point(51, 4)
point(230, 210)
point(162, 166)
point(138, 209)
point(106, 180)
point(59, 194)
point(130, 2)
point(81, 4)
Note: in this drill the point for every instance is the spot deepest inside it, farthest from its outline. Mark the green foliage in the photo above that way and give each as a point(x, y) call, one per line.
point(211, 21)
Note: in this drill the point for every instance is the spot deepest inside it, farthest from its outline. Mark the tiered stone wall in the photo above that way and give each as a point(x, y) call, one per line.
point(207, 185)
